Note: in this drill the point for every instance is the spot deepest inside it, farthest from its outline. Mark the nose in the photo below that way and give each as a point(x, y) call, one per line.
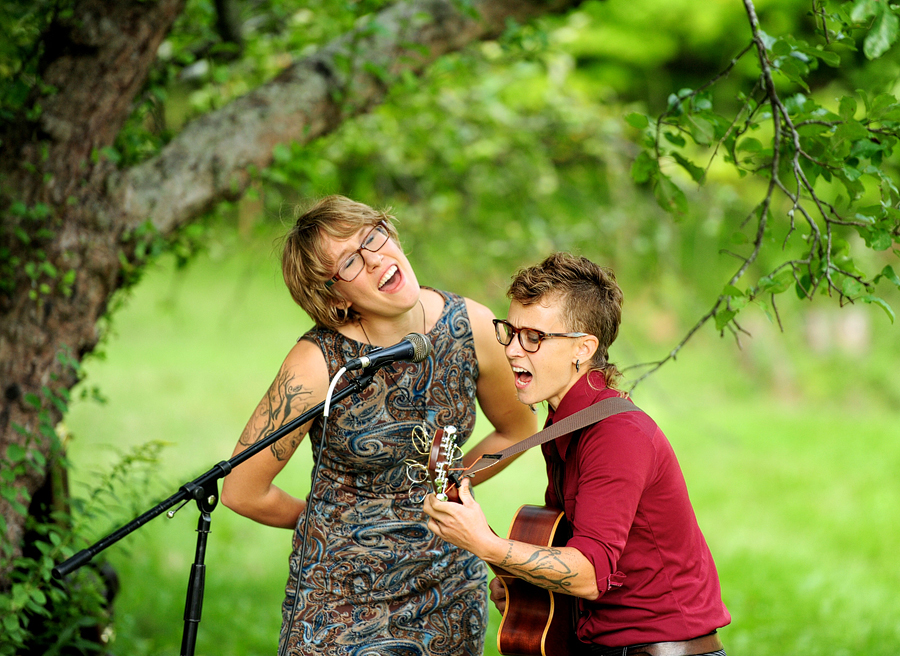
point(514, 349)
point(371, 259)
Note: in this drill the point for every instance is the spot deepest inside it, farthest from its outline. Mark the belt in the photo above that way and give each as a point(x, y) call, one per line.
point(702, 645)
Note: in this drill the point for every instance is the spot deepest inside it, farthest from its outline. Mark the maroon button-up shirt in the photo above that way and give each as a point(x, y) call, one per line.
point(628, 506)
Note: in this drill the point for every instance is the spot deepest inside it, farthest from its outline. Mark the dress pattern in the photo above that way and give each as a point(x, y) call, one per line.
point(376, 581)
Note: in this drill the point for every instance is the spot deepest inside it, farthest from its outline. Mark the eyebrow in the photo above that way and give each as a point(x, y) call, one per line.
point(340, 256)
point(527, 327)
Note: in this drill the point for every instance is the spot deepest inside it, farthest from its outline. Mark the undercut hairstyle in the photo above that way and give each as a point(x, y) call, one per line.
point(307, 267)
point(589, 299)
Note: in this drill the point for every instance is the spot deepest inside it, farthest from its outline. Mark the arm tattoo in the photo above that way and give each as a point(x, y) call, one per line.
point(505, 560)
point(284, 399)
point(544, 568)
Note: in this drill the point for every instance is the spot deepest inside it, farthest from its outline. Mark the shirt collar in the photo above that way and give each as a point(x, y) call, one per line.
point(586, 391)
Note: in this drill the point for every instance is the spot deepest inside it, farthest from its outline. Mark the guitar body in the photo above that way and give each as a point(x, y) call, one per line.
point(536, 622)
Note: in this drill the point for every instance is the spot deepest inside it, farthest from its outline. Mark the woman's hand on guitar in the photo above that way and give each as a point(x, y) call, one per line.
point(462, 524)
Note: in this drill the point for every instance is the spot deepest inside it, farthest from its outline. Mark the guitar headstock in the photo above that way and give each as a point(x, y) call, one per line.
point(444, 454)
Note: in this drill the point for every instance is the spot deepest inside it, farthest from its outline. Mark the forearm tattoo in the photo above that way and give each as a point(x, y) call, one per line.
point(544, 568)
point(283, 401)
point(508, 555)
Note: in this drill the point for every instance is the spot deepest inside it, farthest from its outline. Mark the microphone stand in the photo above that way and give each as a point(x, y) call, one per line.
point(205, 491)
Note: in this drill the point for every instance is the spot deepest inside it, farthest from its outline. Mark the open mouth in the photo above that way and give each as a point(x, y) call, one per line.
point(523, 377)
point(390, 277)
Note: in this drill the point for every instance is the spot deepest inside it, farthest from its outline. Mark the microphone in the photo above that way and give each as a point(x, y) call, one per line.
point(414, 348)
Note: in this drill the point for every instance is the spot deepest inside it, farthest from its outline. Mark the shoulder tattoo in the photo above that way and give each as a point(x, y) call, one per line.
point(285, 399)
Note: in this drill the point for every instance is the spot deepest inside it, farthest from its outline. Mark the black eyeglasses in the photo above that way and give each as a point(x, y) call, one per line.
point(353, 265)
point(529, 338)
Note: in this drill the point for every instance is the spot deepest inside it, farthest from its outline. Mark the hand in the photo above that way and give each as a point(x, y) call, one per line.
point(498, 594)
point(462, 524)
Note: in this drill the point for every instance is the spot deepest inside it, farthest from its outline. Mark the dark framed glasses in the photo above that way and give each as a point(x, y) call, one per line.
point(354, 263)
point(529, 338)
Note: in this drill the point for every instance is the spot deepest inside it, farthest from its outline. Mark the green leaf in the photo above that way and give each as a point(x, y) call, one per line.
point(847, 108)
point(877, 240)
point(644, 168)
point(850, 130)
point(696, 173)
point(669, 195)
point(38, 596)
point(10, 623)
point(884, 107)
point(738, 303)
point(723, 318)
point(281, 153)
point(775, 283)
point(15, 453)
point(883, 33)
point(852, 288)
point(793, 70)
point(768, 41)
point(675, 139)
point(830, 58)
point(803, 287)
point(639, 121)
point(888, 310)
point(864, 9)
point(111, 154)
point(750, 144)
point(702, 130)
point(888, 272)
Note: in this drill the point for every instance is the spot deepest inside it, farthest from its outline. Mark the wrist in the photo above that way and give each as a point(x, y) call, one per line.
point(498, 550)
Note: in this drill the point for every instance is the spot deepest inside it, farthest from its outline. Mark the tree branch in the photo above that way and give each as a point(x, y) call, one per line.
point(214, 157)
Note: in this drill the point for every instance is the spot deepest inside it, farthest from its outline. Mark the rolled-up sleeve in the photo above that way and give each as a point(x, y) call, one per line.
point(616, 460)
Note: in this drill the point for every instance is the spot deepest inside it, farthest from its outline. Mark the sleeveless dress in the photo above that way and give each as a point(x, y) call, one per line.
point(376, 581)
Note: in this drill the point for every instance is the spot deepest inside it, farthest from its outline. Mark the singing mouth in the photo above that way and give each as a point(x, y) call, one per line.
point(388, 275)
point(523, 377)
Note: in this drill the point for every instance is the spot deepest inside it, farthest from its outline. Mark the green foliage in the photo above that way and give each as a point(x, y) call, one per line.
point(830, 172)
point(762, 433)
point(39, 614)
point(512, 135)
point(492, 144)
point(31, 228)
point(517, 147)
point(22, 22)
point(883, 25)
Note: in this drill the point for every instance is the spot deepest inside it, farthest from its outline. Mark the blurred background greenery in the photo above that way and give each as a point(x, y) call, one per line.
point(788, 446)
point(787, 439)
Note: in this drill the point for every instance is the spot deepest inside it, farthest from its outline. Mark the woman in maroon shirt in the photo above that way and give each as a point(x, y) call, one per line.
point(637, 560)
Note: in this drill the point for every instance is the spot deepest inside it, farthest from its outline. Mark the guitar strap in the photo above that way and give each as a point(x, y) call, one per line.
point(585, 417)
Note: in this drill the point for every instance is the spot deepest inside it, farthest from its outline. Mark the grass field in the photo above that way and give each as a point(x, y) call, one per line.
point(790, 455)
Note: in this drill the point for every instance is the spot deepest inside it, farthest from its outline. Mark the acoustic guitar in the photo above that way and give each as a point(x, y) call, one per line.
point(536, 622)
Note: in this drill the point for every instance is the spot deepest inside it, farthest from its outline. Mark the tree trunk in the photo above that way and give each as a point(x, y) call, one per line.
point(56, 219)
point(65, 209)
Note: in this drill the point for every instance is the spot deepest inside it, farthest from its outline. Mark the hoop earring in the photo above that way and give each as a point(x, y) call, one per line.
point(577, 365)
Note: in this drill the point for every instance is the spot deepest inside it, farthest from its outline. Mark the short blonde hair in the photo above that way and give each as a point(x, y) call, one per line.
point(589, 296)
point(305, 264)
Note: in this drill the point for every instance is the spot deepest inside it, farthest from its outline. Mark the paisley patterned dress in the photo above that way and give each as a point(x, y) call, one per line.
point(375, 580)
